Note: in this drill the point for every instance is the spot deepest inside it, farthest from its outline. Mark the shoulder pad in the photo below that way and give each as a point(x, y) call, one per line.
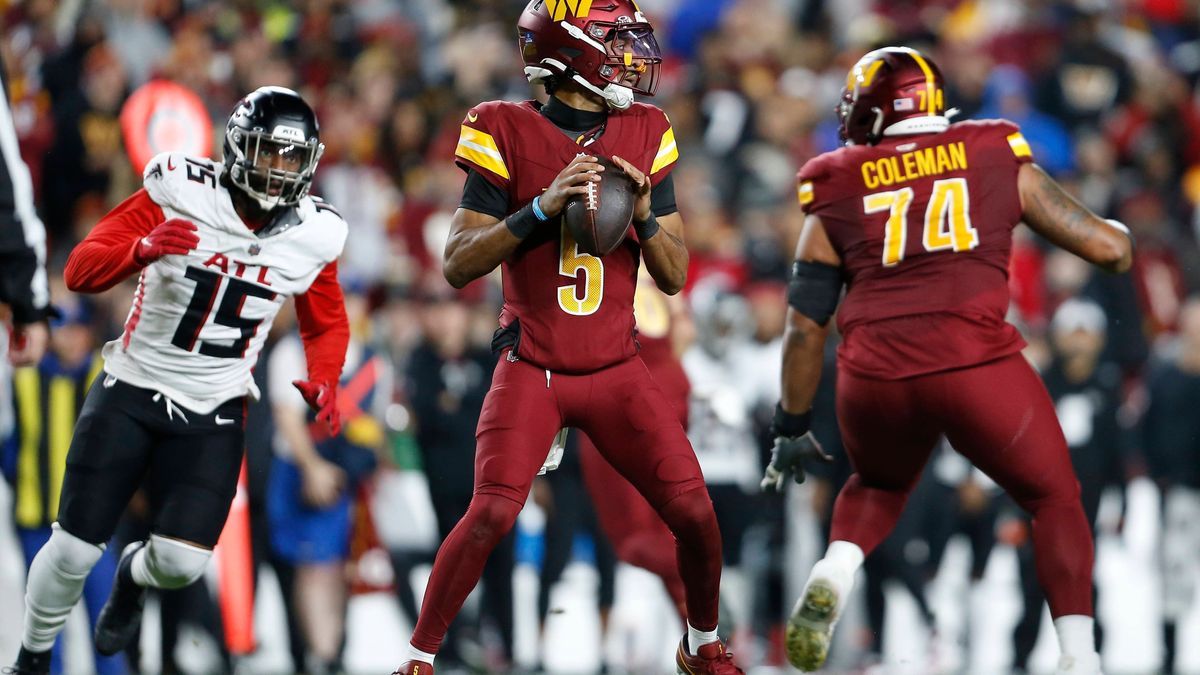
point(173, 179)
point(1004, 132)
point(480, 143)
point(327, 228)
point(812, 177)
point(666, 151)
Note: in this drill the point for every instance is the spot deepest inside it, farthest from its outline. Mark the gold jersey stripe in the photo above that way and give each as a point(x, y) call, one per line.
point(480, 148)
point(668, 152)
point(1019, 145)
point(805, 192)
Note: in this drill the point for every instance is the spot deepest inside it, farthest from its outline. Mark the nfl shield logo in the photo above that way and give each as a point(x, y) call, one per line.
point(254, 249)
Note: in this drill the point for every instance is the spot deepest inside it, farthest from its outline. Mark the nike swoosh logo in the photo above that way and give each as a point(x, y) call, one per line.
point(169, 165)
point(223, 421)
point(472, 117)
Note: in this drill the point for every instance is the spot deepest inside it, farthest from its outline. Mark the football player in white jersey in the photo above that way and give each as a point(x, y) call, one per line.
point(217, 249)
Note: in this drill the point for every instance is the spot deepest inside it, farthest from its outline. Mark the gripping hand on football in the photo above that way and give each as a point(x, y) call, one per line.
point(794, 445)
point(641, 208)
point(322, 397)
point(171, 237)
point(572, 180)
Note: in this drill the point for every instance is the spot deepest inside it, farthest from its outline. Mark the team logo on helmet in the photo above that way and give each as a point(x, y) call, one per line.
point(559, 8)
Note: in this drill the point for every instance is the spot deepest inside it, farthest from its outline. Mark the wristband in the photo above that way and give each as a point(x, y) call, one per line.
point(537, 208)
point(522, 223)
point(647, 228)
point(789, 424)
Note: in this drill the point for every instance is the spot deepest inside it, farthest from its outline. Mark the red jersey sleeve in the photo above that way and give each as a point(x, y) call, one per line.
point(480, 145)
point(1000, 142)
point(664, 152)
point(105, 256)
point(812, 183)
point(324, 328)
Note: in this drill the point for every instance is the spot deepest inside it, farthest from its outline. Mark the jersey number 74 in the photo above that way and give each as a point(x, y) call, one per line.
point(947, 219)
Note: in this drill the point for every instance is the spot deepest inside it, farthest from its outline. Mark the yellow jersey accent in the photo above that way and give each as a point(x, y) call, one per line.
point(472, 117)
point(61, 406)
point(1019, 145)
point(479, 147)
point(668, 152)
point(805, 192)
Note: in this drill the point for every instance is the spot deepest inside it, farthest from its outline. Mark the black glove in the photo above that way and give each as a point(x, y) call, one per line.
point(794, 444)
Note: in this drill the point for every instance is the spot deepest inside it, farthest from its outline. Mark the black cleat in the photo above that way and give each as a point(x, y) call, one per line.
point(29, 663)
point(121, 616)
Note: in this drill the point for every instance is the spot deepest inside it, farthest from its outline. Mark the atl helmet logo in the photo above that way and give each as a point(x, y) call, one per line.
point(559, 8)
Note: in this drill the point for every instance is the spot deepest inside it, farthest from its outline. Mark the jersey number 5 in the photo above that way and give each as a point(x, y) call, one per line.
point(208, 283)
point(570, 261)
point(947, 219)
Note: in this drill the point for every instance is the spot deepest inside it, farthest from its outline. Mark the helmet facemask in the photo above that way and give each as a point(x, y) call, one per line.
point(632, 57)
point(274, 168)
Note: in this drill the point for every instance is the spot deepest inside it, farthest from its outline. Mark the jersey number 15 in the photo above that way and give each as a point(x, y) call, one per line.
point(208, 284)
point(947, 219)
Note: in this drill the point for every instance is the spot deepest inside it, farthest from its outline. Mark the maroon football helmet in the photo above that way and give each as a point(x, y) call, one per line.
point(887, 86)
point(606, 46)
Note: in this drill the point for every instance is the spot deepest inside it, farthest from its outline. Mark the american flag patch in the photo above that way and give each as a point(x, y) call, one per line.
point(904, 104)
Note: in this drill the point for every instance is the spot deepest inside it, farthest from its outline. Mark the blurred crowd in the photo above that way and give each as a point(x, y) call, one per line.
point(1106, 92)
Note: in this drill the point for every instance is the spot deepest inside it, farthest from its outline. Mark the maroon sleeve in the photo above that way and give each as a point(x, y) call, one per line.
point(812, 183)
point(105, 257)
point(324, 329)
point(481, 145)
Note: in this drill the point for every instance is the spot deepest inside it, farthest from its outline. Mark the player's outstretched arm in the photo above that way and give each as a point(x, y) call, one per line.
point(479, 242)
point(813, 293)
point(1057, 216)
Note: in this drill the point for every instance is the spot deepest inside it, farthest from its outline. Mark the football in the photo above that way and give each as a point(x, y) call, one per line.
point(600, 218)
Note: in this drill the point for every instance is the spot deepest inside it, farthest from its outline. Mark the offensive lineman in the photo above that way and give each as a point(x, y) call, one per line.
point(568, 357)
point(915, 216)
point(218, 249)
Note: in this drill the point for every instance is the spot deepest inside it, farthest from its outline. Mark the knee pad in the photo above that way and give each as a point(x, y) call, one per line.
point(70, 555)
point(491, 517)
point(170, 563)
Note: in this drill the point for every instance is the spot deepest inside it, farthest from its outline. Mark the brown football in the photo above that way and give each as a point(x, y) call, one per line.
point(600, 219)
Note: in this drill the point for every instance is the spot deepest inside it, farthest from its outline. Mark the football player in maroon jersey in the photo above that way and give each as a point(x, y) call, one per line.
point(915, 217)
point(567, 355)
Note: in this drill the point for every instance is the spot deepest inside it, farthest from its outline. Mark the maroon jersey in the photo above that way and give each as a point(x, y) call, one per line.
point(655, 325)
point(571, 312)
point(923, 225)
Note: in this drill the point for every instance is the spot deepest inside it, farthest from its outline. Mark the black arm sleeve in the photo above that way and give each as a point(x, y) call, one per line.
point(23, 285)
point(662, 197)
point(482, 197)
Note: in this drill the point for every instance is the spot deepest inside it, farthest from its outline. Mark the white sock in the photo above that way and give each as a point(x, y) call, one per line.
point(699, 638)
point(54, 585)
point(414, 654)
point(846, 555)
point(1076, 635)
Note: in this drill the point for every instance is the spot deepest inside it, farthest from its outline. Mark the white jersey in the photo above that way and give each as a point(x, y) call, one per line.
point(198, 321)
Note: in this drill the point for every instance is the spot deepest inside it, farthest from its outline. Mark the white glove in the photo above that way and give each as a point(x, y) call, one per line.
point(554, 457)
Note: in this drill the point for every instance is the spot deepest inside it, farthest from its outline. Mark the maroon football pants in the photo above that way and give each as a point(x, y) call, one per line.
point(633, 426)
point(999, 416)
point(637, 533)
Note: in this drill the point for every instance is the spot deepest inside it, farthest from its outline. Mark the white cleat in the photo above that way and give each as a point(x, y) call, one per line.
point(810, 627)
point(1088, 664)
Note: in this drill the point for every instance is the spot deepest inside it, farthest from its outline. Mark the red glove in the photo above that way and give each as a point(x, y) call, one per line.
point(322, 397)
point(171, 237)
